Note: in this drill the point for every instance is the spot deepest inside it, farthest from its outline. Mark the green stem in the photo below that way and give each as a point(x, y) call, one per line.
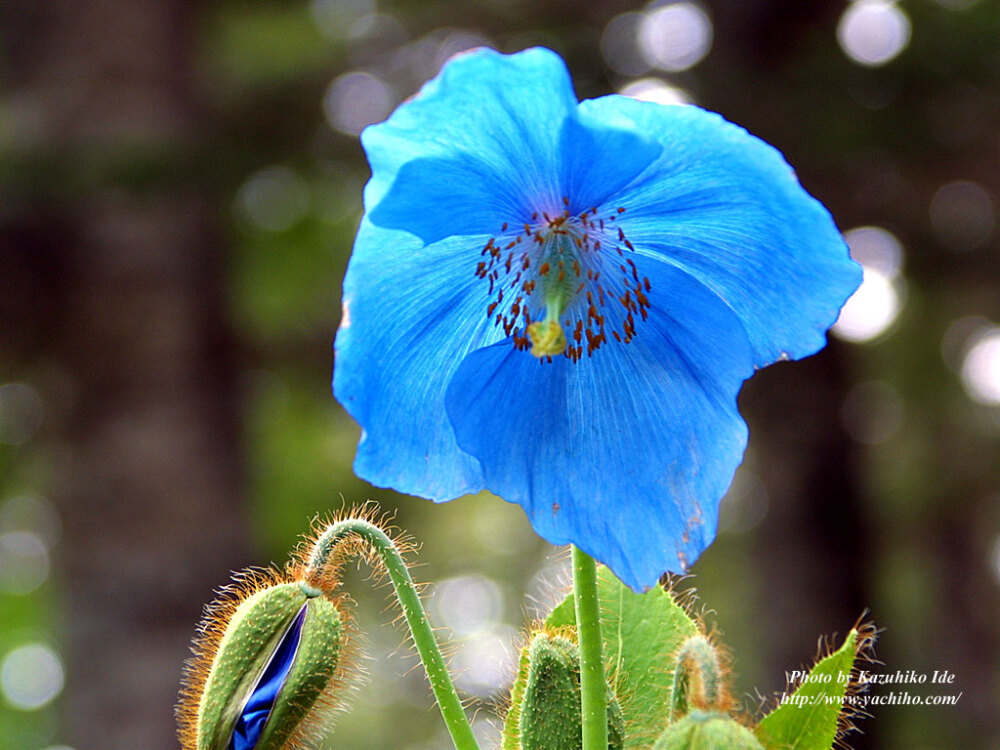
point(593, 686)
point(416, 618)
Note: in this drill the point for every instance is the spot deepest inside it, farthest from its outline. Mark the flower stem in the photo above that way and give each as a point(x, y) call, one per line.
point(593, 687)
point(416, 618)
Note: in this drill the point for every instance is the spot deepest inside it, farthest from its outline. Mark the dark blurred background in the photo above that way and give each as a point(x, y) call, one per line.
point(179, 186)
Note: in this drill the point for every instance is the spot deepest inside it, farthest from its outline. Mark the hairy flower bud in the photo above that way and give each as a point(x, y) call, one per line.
point(700, 691)
point(550, 711)
point(707, 730)
point(264, 675)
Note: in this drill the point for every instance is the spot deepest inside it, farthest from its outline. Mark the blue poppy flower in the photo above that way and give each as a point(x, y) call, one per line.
point(559, 301)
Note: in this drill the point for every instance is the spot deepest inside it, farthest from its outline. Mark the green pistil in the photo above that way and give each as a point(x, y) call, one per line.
point(547, 336)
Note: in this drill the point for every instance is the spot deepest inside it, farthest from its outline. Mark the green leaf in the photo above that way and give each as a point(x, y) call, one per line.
point(641, 633)
point(808, 718)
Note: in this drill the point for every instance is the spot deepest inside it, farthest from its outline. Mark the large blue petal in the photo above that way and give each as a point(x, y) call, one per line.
point(520, 150)
point(437, 197)
point(411, 313)
point(489, 115)
point(598, 161)
point(625, 454)
point(726, 207)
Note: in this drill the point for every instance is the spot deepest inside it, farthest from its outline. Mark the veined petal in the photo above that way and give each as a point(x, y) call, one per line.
point(625, 454)
point(598, 161)
point(437, 197)
point(495, 121)
point(726, 207)
point(411, 313)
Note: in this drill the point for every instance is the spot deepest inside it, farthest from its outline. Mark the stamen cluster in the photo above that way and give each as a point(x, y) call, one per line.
point(572, 270)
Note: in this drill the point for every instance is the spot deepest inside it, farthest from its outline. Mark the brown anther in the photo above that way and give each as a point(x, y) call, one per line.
point(635, 272)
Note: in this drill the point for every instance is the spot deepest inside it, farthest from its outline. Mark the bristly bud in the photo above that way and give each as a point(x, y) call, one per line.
point(265, 671)
point(707, 730)
point(550, 710)
point(699, 680)
point(700, 692)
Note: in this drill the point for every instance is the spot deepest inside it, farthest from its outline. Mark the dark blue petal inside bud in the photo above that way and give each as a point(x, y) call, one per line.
point(252, 719)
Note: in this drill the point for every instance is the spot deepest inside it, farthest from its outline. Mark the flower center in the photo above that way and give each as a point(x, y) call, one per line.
point(562, 284)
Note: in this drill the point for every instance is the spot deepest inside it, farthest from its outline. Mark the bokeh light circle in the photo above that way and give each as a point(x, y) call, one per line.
point(981, 368)
point(274, 198)
point(656, 90)
point(675, 36)
point(355, 100)
point(873, 308)
point(873, 32)
point(31, 676)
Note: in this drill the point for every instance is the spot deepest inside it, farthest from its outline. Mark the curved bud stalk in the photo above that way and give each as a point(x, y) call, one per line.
point(362, 535)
